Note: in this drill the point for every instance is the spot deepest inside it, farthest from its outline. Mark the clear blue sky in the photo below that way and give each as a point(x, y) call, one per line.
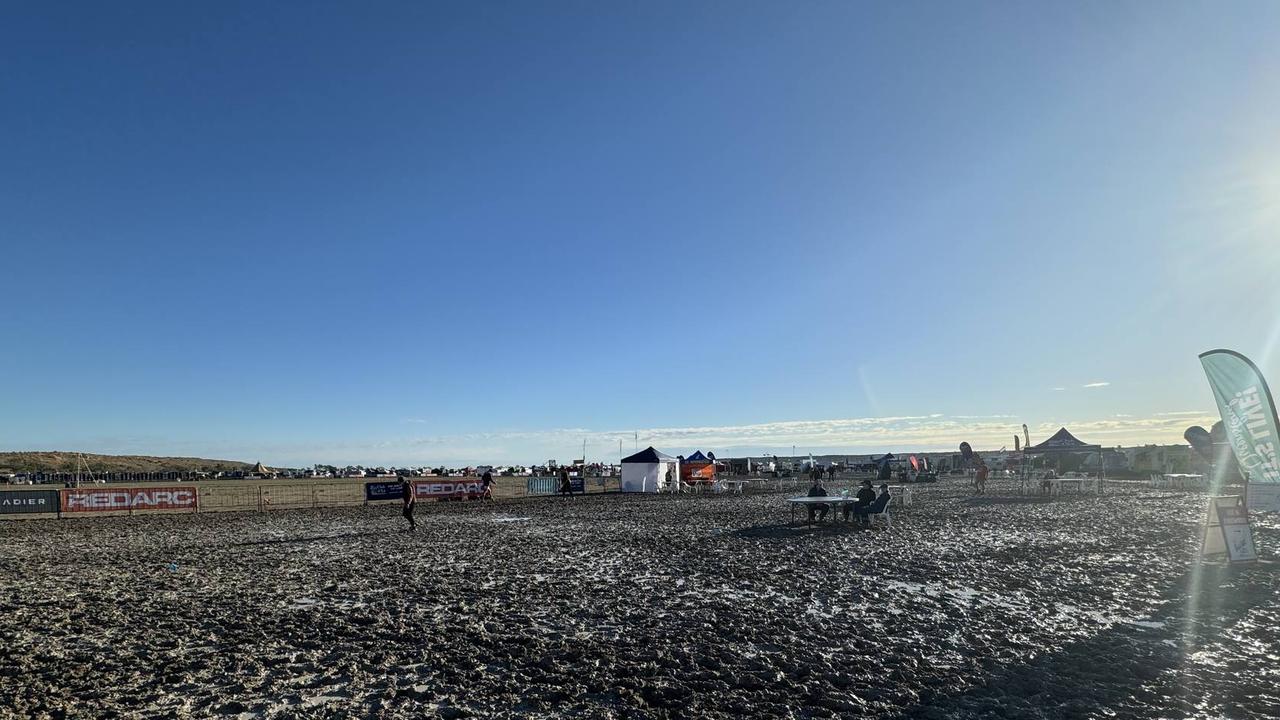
point(478, 232)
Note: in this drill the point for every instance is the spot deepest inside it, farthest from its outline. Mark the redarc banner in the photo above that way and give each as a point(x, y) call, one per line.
point(114, 499)
point(448, 488)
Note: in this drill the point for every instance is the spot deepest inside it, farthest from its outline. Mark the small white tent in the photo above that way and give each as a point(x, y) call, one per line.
point(647, 471)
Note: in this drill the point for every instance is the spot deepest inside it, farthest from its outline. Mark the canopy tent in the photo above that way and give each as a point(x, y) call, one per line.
point(647, 471)
point(1062, 442)
point(263, 470)
point(698, 469)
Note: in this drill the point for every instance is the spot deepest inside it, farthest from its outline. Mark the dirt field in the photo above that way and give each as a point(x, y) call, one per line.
point(609, 606)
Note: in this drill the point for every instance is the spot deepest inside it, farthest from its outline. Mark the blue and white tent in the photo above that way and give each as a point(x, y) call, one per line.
point(649, 471)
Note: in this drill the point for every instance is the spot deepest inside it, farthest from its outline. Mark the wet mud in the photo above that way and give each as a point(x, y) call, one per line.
point(627, 606)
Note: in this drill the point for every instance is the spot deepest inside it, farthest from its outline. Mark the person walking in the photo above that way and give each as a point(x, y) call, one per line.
point(486, 485)
point(406, 496)
point(566, 486)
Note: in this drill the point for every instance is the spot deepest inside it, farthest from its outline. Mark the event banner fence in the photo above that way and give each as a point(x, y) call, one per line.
point(23, 502)
point(77, 500)
point(265, 495)
point(536, 485)
point(541, 485)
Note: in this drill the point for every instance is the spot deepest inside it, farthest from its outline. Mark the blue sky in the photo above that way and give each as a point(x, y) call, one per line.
point(466, 232)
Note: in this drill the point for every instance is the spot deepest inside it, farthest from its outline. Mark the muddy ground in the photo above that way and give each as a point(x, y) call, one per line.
point(626, 606)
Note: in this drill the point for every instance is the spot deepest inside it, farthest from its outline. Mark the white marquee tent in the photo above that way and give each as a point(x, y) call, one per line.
point(647, 471)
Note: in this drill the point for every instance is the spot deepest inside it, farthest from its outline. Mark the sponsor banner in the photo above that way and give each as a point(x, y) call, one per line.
point(28, 501)
point(446, 488)
point(1248, 414)
point(551, 485)
point(1227, 530)
point(1264, 498)
point(542, 485)
point(115, 499)
point(1237, 533)
point(383, 491)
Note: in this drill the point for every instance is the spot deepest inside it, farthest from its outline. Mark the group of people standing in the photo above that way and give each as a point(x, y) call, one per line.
point(861, 506)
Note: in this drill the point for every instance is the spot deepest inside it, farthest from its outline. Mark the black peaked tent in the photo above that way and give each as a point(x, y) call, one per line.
point(1062, 443)
point(648, 455)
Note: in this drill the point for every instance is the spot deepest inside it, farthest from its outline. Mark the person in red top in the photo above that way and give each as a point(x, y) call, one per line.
point(980, 478)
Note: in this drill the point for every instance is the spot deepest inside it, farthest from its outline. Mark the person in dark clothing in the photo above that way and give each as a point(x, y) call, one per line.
point(862, 500)
point(566, 487)
point(816, 490)
point(876, 507)
point(486, 485)
point(406, 496)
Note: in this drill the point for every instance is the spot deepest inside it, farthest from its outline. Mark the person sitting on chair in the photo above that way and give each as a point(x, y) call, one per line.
point(816, 490)
point(865, 497)
point(876, 507)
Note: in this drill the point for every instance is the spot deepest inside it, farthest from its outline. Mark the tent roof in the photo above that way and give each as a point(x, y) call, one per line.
point(697, 457)
point(260, 468)
point(648, 455)
point(1062, 441)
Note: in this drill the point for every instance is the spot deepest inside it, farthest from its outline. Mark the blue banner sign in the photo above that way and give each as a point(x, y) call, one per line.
point(383, 491)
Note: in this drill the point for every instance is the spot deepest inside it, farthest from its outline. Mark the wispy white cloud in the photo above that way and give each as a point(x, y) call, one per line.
point(416, 421)
point(1059, 389)
point(1095, 384)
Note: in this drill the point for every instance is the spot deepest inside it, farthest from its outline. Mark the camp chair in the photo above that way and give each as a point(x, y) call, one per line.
point(883, 514)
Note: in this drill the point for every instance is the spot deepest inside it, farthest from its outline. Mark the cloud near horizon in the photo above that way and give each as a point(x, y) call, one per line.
point(847, 435)
point(919, 433)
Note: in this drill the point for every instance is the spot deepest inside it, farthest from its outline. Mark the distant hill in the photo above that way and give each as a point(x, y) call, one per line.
point(60, 461)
